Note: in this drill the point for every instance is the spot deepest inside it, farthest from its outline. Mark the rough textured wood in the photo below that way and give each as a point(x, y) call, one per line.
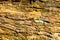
point(39, 20)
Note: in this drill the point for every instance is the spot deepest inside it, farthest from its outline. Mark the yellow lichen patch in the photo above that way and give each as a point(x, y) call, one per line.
point(33, 14)
point(37, 5)
point(1, 31)
point(9, 9)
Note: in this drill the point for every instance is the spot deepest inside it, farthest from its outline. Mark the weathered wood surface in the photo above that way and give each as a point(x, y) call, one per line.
point(39, 20)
